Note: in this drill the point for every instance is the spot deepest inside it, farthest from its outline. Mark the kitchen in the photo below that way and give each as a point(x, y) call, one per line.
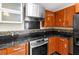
point(39, 29)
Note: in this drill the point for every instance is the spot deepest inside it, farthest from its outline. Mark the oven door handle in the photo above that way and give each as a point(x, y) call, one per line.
point(33, 46)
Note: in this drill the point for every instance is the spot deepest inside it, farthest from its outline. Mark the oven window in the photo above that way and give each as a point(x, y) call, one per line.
point(40, 50)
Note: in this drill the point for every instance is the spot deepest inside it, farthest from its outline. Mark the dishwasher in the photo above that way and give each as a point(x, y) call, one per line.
point(39, 46)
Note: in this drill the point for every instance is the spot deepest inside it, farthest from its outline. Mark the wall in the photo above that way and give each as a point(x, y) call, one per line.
point(11, 27)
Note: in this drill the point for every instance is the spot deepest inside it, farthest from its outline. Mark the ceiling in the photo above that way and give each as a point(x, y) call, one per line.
point(55, 6)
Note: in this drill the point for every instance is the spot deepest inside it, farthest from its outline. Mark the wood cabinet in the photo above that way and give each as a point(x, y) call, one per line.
point(59, 45)
point(3, 51)
point(27, 48)
point(59, 16)
point(71, 46)
point(21, 49)
point(20, 52)
point(49, 20)
point(51, 45)
point(11, 13)
point(64, 17)
point(77, 7)
point(68, 16)
point(63, 47)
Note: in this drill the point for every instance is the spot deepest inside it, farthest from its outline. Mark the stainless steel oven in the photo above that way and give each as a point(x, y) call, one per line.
point(39, 46)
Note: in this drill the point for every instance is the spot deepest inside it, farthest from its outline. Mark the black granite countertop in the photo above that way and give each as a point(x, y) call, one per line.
point(8, 40)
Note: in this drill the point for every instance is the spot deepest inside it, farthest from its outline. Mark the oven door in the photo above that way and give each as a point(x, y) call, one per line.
point(40, 50)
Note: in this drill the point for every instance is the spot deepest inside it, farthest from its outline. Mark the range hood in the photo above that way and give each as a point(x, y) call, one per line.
point(34, 11)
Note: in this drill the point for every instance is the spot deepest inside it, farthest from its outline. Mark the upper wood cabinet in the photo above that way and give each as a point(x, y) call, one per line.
point(77, 7)
point(64, 17)
point(11, 13)
point(68, 16)
point(59, 17)
point(34, 10)
point(49, 20)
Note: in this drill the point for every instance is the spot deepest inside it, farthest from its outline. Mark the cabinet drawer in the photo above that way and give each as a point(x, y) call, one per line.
point(2, 51)
point(16, 48)
point(20, 52)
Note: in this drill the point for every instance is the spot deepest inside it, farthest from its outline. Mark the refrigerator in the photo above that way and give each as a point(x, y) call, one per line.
point(76, 34)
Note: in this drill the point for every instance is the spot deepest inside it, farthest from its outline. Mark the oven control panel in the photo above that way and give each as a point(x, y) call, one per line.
point(39, 42)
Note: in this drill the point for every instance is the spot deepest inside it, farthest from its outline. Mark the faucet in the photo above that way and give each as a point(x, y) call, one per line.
point(12, 33)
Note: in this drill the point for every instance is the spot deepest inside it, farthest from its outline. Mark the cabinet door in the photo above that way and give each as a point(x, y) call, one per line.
point(11, 17)
point(56, 44)
point(11, 13)
point(12, 6)
point(63, 46)
point(60, 48)
point(77, 7)
point(70, 41)
point(51, 45)
point(27, 48)
point(2, 51)
point(60, 18)
point(69, 13)
point(20, 52)
point(56, 18)
point(16, 48)
point(49, 19)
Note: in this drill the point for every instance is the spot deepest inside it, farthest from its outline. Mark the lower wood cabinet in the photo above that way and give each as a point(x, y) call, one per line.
point(16, 48)
point(51, 45)
point(63, 47)
point(20, 52)
point(3, 51)
point(59, 45)
point(21, 49)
